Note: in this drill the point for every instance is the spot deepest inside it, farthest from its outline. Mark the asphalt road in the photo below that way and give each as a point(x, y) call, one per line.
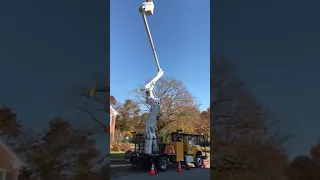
point(126, 173)
point(192, 174)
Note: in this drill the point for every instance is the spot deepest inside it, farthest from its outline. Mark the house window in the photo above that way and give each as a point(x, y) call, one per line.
point(4, 175)
point(9, 176)
point(111, 120)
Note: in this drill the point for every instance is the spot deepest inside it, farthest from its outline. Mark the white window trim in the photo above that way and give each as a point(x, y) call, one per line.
point(115, 113)
point(4, 173)
point(15, 164)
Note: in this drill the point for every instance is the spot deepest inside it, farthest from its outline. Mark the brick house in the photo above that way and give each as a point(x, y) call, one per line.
point(10, 162)
point(113, 116)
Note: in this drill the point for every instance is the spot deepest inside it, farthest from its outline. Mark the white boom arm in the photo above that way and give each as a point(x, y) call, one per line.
point(151, 144)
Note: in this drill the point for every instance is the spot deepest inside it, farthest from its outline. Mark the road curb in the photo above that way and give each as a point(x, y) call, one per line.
point(119, 165)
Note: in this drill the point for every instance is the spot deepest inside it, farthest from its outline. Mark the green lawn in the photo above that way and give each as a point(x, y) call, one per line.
point(117, 156)
point(120, 155)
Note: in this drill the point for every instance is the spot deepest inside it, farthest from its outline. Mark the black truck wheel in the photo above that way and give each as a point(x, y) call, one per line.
point(198, 161)
point(162, 164)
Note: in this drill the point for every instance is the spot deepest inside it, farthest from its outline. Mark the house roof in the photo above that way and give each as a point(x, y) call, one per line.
point(17, 157)
point(113, 110)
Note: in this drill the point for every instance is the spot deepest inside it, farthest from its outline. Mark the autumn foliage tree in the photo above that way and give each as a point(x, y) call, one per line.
point(315, 153)
point(242, 139)
point(62, 152)
point(128, 116)
point(203, 124)
point(113, 100)
point(9, 124)
point(12, 132)
point(305, 166)
point(175, 102)
point(187, 121)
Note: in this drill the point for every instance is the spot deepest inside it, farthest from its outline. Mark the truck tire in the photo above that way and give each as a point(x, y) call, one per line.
point(198, 161)
point(162, 164)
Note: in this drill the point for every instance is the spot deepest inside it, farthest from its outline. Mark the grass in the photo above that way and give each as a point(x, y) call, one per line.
point(117, 155)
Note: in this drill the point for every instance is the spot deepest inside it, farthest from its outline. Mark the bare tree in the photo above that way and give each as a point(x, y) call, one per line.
point(92, 109)
point(174, 98)
point(91, 113)
point(241, 128)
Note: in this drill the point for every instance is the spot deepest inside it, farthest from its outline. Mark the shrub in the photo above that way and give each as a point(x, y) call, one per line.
point(116, 147)
point(125, 147)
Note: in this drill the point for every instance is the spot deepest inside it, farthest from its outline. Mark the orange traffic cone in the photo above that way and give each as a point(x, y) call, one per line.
point(203, 164)
point(179, 167)
point(152, 171)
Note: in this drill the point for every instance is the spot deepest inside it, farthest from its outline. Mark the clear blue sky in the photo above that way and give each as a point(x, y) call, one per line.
point(182, 42)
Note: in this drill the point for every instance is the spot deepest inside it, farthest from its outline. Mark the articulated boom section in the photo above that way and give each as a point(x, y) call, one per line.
point(151, 145)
